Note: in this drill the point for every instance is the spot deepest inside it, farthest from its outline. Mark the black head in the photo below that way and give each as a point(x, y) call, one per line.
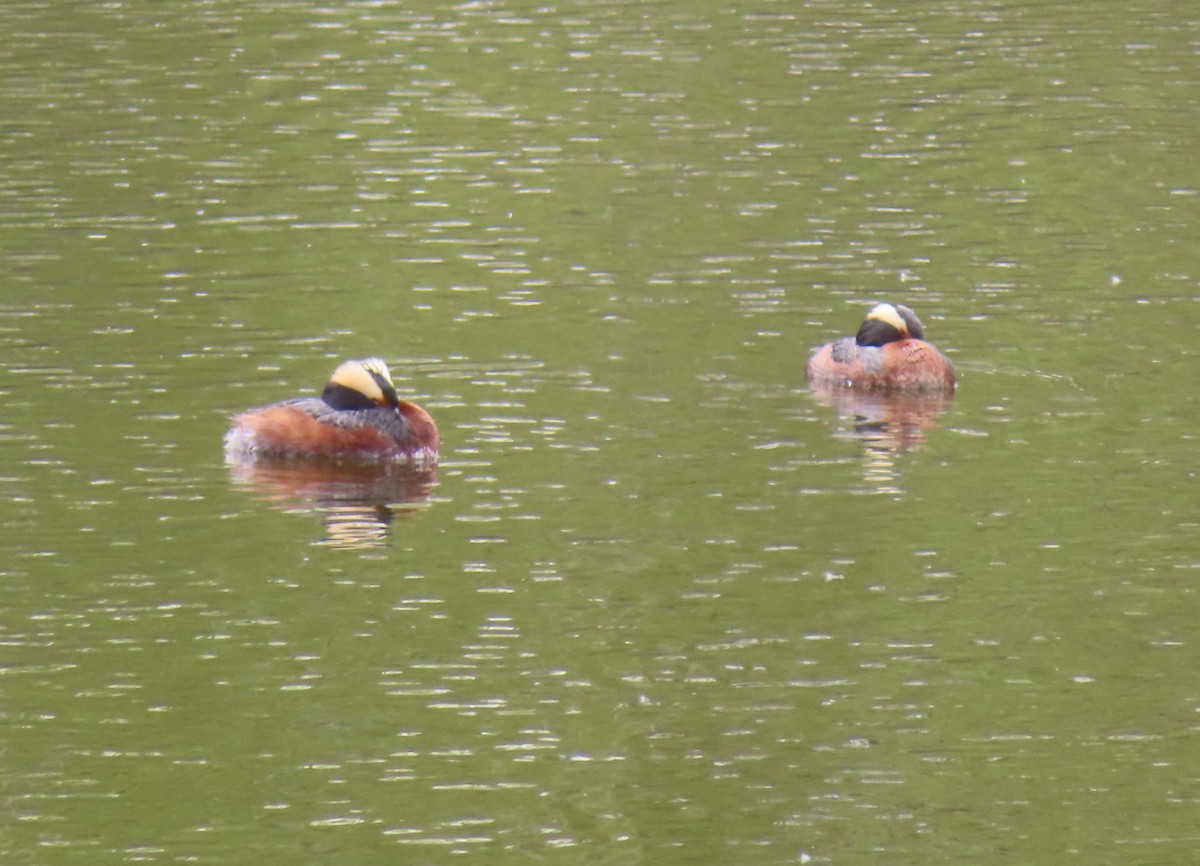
point(887, 324)
point(361, 385)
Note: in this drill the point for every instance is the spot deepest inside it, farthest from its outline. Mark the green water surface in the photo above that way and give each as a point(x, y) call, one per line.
point(661, 604)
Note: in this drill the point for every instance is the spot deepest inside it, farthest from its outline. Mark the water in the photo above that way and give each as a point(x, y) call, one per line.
point(659, 603)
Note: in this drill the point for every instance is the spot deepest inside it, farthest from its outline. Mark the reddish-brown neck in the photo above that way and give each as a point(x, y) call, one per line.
point(424, 431)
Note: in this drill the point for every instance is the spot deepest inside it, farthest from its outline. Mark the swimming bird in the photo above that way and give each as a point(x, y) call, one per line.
point(357, 417)
point(888, 354)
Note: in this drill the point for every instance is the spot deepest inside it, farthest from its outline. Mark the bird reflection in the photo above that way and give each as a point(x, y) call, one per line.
point(357, 502)
point(886, 424)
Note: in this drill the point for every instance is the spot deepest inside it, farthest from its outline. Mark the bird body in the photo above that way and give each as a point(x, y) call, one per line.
point(357, 417)
point(888, 354)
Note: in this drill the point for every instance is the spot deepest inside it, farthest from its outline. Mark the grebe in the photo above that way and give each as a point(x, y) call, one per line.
point(888, 354)
point(357, 417)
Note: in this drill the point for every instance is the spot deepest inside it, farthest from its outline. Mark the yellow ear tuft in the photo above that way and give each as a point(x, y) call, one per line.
point(356, 375)
point(379, 368)
point(889, 315)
